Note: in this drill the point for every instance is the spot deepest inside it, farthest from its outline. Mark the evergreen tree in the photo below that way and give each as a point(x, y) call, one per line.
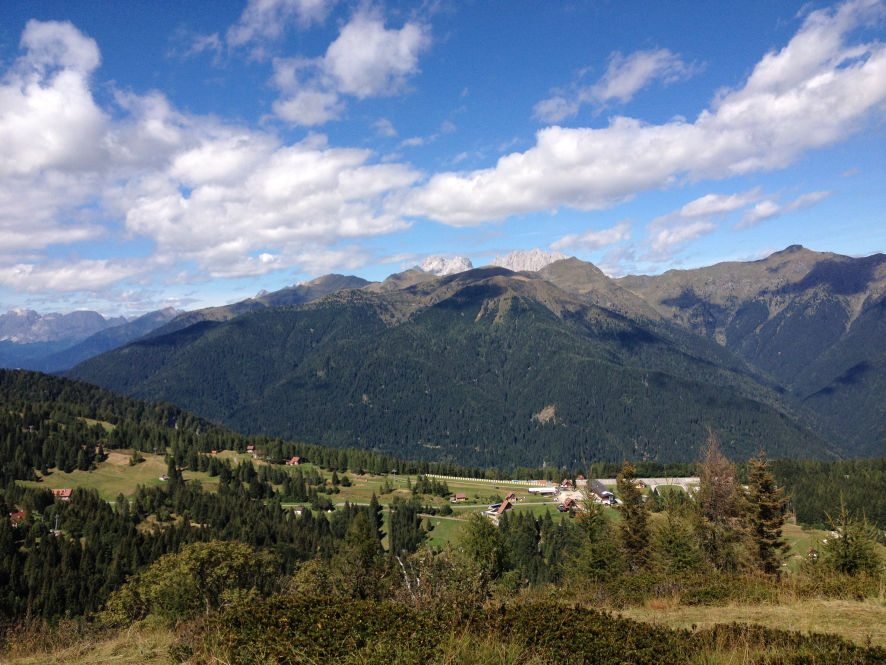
point(482, 542)
point(634, 528)
point(854, 548)
point(765, 515)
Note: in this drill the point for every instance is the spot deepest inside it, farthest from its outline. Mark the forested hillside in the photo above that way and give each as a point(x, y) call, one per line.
point(486, 368)
point(815, 322)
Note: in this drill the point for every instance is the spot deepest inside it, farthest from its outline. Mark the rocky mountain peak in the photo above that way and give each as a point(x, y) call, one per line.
point(441, 265)
point(531, 259)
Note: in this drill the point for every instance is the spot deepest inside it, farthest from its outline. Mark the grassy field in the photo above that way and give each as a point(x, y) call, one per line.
point(863, 622)
point(115, 476)
point(135, 646)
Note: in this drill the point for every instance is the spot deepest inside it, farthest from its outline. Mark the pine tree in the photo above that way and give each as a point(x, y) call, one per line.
point(634, 528)
point(854, 549)
point(764, 515)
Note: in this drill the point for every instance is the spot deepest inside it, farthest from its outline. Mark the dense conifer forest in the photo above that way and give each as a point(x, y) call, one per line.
point(179, 553)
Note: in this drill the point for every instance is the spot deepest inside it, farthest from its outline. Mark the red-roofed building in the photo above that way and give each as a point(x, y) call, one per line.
point(295, 461)
point(63, 494)
point(18, 518)
point(458, 498)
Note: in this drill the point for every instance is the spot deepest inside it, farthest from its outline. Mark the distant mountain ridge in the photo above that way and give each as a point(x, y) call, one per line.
point(25, 326)
point(64, 352)
point(486, 367)
point(800, 332)
point(290, 295)
point(815, 322)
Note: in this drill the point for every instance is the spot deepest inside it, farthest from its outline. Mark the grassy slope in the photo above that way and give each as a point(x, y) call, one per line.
point(114, 476)
point(135, 646)
point(863, 622)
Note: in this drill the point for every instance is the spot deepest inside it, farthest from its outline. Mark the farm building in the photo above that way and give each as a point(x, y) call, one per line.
point(599, 490)
point(548, 490)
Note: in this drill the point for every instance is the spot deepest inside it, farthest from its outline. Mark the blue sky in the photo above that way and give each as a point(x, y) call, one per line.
point(192, 154)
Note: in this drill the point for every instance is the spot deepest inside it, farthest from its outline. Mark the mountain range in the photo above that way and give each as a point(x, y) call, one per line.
point(56, 342)
point(558, 366)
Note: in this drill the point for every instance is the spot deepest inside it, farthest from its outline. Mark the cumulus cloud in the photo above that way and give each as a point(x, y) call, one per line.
point(769, 209)
point(48, 118)
point(310, 107)
point(812, 93)
point(285, 198)
point(368, 60)
point(64, 277)
point(268, 19)
point(594, 239)
point(624, 77)
point(365, 60)
point(224, 200)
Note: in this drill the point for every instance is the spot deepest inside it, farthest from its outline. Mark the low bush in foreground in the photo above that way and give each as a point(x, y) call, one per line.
point(308, 630)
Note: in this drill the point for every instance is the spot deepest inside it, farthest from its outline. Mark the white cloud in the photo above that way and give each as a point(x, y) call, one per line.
point(624, 77)
point(48, 118)
point(226, 201)
point(718, 204)
point(769, 209)
point(65, 277)
point(268, 19)
point(54, 44)
point(322, 260)
point(814, 92)
point(665, 241)
point(593, 239)
point(366, 60)
point(669, 233)
point(285, 198)
point(310, 108)
point(384, 127)
point(555, 109)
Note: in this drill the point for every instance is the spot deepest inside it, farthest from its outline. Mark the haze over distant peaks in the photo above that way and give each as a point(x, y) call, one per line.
point(531, 259)
point(441, 265)
point(25, 326)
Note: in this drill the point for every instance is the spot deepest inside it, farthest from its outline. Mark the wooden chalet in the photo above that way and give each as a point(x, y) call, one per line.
point(63, 494)
point(295, 461)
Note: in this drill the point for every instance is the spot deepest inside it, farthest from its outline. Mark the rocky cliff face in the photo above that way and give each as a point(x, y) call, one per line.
point(441, 265)
point(532, 259)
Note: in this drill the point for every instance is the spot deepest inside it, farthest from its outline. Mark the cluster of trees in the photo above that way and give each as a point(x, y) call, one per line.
point(723, 529)
point(817, 487)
